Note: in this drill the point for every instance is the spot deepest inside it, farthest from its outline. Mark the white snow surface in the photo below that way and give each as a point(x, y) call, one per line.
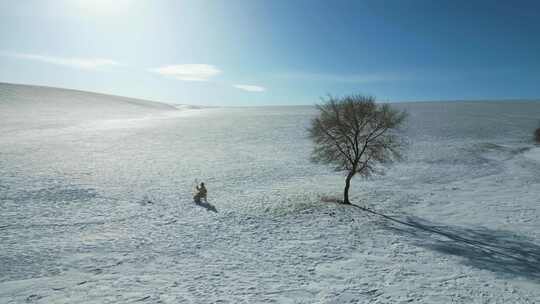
point(533, 154)
point(97, 207)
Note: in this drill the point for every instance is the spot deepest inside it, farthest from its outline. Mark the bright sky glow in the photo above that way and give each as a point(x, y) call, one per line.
point(102, 7)
point(255, 52)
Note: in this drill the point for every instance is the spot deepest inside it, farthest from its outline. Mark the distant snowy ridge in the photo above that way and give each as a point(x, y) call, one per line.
point(21, 94)
point(186, 107)
point(30, 107)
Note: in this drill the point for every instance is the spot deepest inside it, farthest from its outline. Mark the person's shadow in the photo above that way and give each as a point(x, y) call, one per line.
point(206, 205)
point(505, 253)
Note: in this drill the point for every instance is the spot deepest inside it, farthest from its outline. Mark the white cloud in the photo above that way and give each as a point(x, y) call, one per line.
point(79, 63)
point(189, 72)
point(250, 88)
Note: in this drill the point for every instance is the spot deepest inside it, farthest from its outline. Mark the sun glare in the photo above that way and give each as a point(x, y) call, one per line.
point(103, 7)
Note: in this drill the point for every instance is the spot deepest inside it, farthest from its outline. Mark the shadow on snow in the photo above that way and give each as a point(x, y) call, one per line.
point(503, 252)
point(206, 205)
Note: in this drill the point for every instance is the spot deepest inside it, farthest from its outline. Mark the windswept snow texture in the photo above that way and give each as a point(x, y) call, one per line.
point(99, 210)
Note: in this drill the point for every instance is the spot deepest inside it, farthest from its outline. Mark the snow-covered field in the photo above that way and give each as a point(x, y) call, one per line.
point(95, 198)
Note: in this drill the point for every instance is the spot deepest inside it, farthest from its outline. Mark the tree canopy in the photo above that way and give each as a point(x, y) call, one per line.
point(353, 134)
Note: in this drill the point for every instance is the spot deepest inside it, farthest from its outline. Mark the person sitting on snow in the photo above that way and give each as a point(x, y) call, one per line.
point(200, 194)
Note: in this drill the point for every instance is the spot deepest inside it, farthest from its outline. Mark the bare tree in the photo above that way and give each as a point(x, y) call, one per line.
point(353, 133)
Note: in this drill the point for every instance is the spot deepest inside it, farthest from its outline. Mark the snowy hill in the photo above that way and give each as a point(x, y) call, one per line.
point(26, 106)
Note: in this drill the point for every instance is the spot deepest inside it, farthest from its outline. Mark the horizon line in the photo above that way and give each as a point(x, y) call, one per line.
point(274, 105)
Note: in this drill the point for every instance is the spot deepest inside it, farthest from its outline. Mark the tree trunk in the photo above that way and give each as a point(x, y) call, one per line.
point(347, 185)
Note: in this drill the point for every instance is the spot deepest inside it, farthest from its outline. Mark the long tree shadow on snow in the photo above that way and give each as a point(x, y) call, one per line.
point(503, 252)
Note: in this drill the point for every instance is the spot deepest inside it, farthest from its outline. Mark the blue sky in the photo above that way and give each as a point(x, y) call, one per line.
point(275, 52)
